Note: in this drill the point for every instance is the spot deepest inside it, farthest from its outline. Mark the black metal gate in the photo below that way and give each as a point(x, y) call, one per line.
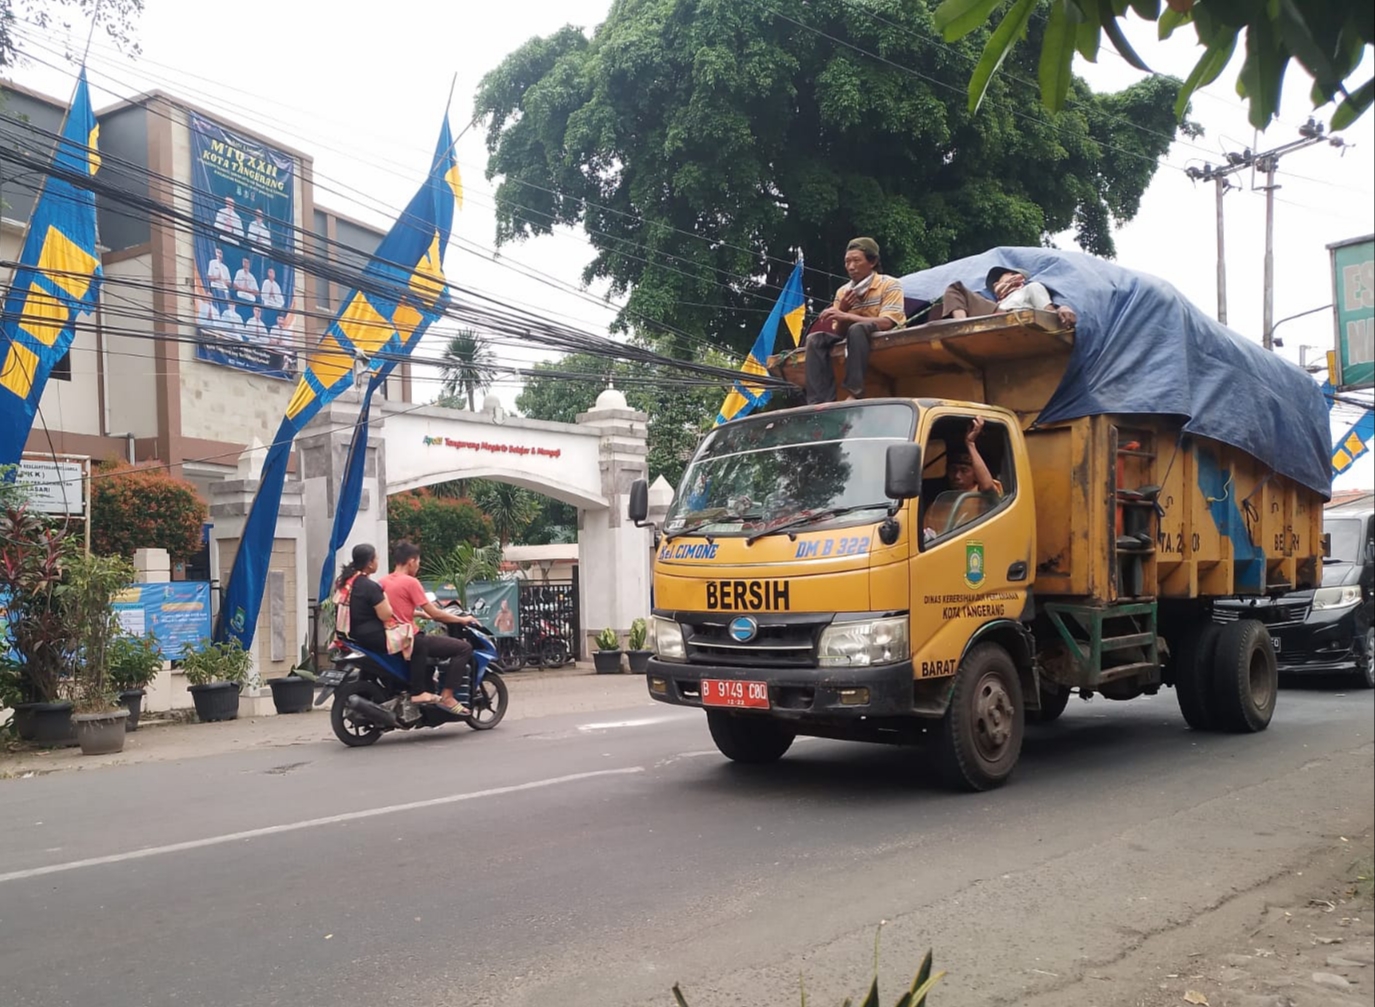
point(549, 627)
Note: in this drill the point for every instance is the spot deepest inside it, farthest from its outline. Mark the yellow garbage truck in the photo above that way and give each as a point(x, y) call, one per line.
point(817, 573)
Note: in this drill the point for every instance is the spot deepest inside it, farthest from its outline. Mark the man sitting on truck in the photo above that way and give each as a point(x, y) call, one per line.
point(965, 472)
point(1012, 290)
point(871, 302)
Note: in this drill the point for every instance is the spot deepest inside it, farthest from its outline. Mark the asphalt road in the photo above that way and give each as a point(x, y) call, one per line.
point(597, 859)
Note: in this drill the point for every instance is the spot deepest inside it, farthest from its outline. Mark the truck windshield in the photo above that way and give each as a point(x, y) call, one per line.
point(754, 474)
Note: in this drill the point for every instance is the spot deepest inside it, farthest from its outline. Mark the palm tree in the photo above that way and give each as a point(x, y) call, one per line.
point(510, 508)
point(468, 367)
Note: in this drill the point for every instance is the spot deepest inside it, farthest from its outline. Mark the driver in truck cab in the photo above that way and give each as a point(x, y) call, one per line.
point(965, 472)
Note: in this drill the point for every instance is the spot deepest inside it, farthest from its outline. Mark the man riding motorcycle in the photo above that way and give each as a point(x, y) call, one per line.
point(406, 595)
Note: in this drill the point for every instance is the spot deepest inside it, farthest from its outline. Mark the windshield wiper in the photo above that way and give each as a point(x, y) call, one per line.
point(806, 519)
point(692, 529)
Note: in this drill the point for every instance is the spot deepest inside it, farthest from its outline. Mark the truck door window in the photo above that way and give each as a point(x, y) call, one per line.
point(954, 499)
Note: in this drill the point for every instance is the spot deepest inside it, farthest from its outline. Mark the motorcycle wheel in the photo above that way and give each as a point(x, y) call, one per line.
point(352, 732)
point(553, 652)
point(510, 655)
point(488, 703)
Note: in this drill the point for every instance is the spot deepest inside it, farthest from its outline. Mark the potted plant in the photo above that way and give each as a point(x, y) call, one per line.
point(134, 662)
point(292, 693)
point(216, 672)
point(607, 659)
point(636, 652)
point(33, 555)
point(88, 595)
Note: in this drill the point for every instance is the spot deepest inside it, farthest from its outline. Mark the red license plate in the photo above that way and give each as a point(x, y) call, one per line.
point(752, 695)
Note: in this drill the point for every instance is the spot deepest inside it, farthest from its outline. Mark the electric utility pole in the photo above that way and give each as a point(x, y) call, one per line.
point(1267, 162)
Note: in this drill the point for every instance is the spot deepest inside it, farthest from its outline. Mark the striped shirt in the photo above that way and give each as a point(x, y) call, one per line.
point(883, 299)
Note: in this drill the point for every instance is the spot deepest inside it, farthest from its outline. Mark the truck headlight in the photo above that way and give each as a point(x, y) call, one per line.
point(666, 639)
point(1336, 597)
point(860, 644)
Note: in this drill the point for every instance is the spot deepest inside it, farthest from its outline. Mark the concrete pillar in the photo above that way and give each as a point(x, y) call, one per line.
point(284, 619)
point(322, 453)
point(613, 555)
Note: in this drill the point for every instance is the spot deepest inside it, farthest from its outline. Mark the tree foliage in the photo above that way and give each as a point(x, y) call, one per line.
point(702, 143)
point(510, 508)
point(469, 369)
point(144, 508)
point(116, 19)
point(1328, 38)
point(679, 414)
point(438, 525)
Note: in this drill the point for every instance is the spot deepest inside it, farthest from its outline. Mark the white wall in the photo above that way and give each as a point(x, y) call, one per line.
point(132, 403)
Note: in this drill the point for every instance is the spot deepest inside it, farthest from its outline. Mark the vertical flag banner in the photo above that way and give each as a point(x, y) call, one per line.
point(58, 277)
point(243, 199)
point(1354, 443)
point(745, 396)
point(402, 293)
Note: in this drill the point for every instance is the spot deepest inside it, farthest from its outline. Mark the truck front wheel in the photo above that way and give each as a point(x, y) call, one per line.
point(981, 735)
point(1247, 678)
point(750, 739)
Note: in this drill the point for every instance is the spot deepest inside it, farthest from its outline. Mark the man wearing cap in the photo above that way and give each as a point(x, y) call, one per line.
point(871, 302)
point(1012, 291)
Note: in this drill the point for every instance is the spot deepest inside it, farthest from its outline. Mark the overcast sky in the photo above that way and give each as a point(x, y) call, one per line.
point(365, 98)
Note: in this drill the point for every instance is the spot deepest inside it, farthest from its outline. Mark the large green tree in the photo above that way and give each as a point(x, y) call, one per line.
point(703, 143)
point(469, 367)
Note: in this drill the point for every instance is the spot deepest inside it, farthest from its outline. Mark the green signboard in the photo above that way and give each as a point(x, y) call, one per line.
point(496, 603)
point(1353, 300)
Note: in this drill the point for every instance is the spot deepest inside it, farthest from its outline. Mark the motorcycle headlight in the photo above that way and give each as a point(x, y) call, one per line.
point(666, 639)
point(861, 644)
point(1336, 597)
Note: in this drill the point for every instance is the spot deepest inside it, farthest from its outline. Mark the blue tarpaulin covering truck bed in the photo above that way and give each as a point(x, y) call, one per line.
point(1142, 347)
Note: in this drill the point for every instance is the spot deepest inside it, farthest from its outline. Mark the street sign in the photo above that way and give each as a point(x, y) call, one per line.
point(1353, 299)
point(54, 487)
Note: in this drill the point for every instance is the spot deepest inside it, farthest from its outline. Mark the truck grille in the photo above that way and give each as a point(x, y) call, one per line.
point(1276, 616)
point(776, 645)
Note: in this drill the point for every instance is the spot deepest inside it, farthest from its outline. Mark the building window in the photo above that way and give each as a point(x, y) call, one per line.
point(62, 370)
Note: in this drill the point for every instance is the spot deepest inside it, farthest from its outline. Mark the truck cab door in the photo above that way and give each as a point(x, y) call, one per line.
point(976, 550)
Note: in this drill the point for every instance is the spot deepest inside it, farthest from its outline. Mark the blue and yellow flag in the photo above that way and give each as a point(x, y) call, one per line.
point(402, 292)
point(791, 306)
point(58, 277)
point(1354, 443)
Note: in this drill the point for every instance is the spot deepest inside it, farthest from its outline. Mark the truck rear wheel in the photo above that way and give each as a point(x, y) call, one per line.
point(1194, 673)
point(981, 736)
point(1246, 677)
point(750, 739)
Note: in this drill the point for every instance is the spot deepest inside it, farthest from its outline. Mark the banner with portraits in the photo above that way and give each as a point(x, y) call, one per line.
point(243, 203)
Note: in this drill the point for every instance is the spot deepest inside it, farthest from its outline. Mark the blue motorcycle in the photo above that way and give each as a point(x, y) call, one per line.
point(372, 691)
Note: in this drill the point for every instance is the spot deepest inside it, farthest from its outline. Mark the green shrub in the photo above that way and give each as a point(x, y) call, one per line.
point(914, 996)
point(639, 633)
point(209, 661)
point(134, 661)
point(608, 640)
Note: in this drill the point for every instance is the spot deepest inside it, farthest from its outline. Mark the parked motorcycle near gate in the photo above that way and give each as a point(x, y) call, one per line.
point(371, 691)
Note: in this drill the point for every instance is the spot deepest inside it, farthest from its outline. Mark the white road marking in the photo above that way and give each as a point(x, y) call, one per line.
point(272, 830)
point(640, 722)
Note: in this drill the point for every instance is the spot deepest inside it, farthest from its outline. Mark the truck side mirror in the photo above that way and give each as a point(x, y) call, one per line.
point(902, 472)
point(638, 510)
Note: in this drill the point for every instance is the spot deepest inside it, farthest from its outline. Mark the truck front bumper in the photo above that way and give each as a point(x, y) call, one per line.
point(796, 693)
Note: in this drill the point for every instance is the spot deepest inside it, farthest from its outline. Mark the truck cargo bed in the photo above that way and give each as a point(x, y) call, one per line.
point(1128, 506)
